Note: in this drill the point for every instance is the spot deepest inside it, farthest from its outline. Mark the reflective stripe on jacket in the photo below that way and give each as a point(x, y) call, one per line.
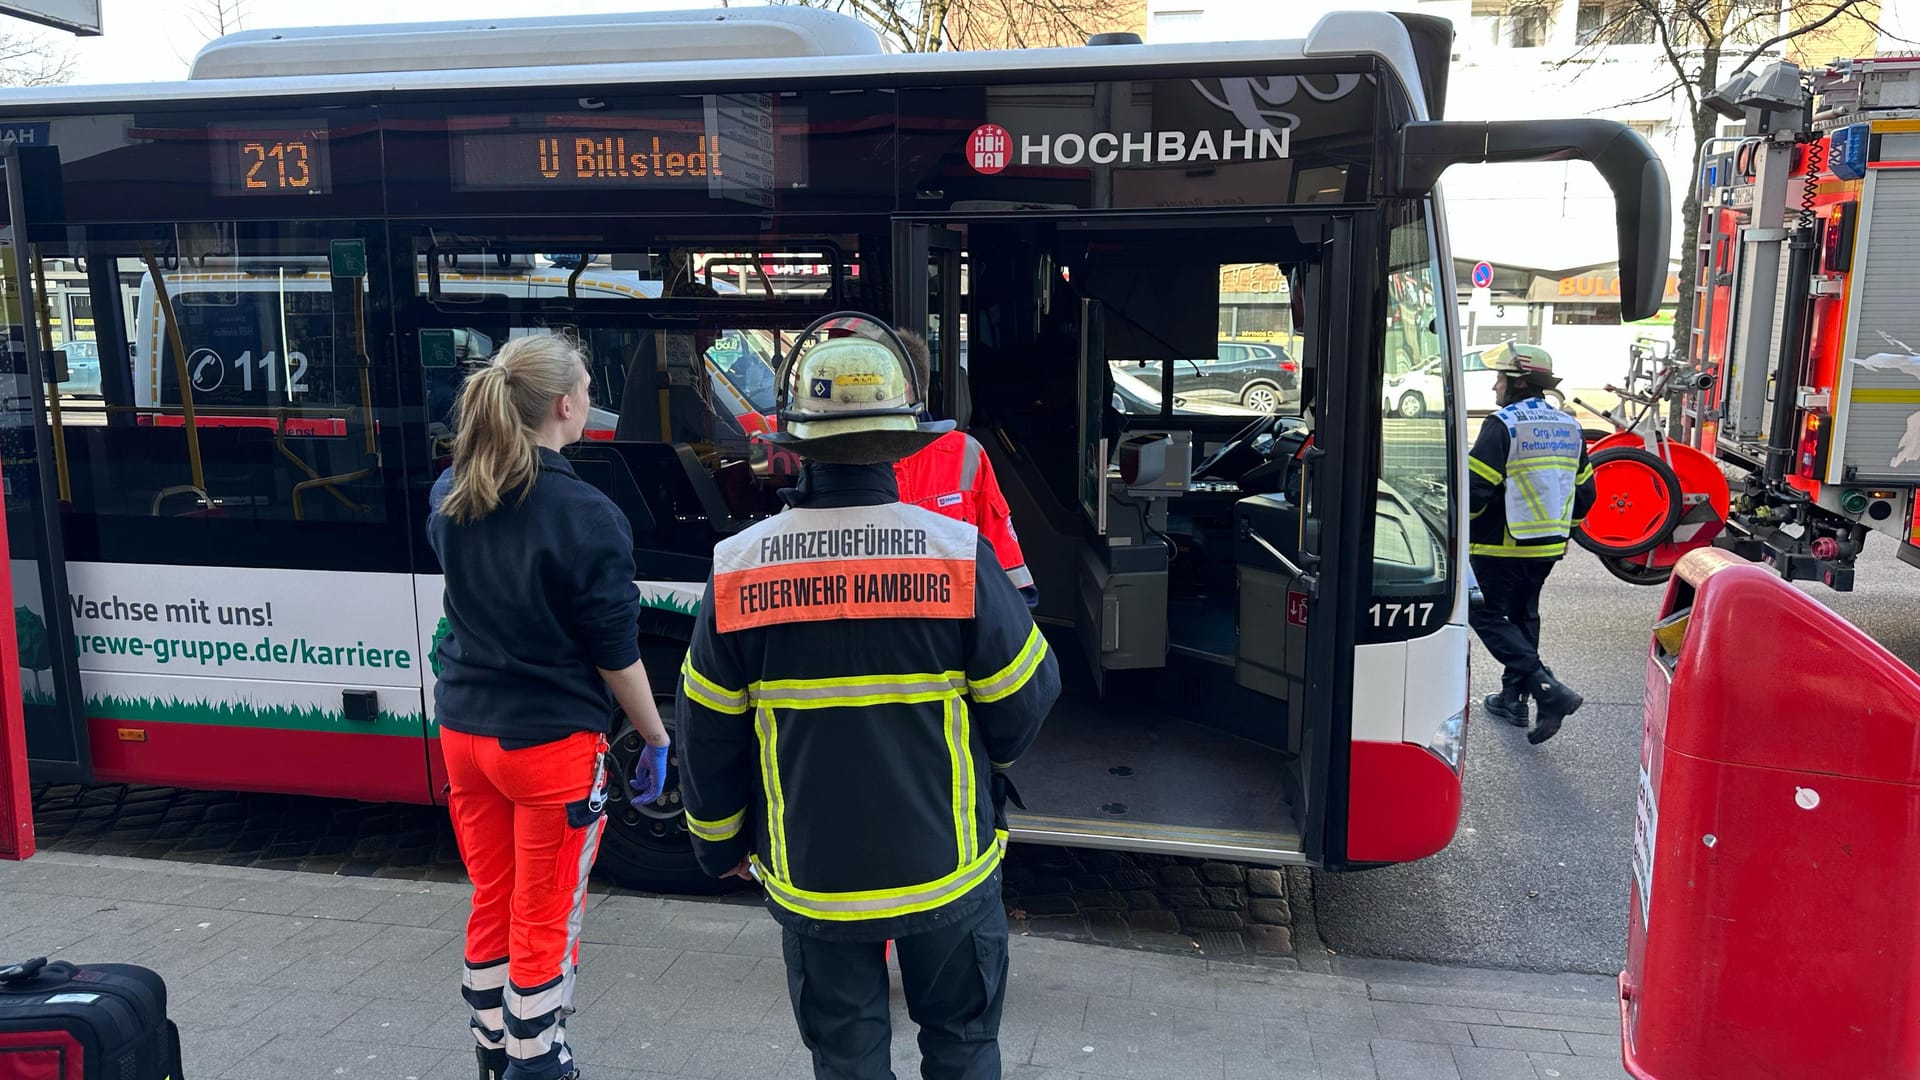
point(953, 477)
point(846, 743)
point(1529, 482)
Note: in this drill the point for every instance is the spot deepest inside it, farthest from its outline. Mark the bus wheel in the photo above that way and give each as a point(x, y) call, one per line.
point(648, 847)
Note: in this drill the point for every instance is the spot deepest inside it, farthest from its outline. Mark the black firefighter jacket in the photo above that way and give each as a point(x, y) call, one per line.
point(859, 669)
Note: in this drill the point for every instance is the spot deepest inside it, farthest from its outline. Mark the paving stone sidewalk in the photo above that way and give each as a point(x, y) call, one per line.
point(1154, 902)
point(279, 975)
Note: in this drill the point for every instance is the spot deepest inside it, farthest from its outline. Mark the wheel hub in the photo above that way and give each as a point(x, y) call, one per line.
point(665, 817)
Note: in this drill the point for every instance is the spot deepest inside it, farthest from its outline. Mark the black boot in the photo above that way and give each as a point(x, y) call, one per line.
point(493, 1063)
point(1509, 705)
point(1557, 702)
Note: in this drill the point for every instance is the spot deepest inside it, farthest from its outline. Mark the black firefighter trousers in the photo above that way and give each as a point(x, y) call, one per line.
point(955, 980)
point(1509, 621)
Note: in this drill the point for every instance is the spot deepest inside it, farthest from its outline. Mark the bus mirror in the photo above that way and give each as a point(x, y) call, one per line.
point(1642, 206)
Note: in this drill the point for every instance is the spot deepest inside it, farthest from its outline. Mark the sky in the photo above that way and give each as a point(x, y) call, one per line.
point(145, 40)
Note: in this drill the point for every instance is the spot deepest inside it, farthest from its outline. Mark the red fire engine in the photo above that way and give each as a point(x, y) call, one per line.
point(1799, 392)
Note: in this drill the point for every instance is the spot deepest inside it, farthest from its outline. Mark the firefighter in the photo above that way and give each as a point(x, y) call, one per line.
point(861, 673)
point(953, 477)
point(1530, 483)
point(543, 638)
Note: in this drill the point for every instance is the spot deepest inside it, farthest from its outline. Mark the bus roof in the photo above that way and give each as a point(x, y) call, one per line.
point(682, 49)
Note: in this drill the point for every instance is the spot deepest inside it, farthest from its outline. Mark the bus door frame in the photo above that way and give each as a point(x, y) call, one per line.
point(37, 520)
point(918, 247)
point(1338, 547)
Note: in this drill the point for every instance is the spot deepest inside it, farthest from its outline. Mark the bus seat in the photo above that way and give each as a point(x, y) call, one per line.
point(712, 502)
point(606, 469)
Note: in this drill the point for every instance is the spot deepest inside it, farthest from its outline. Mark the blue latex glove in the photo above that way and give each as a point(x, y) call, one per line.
point(649, 775)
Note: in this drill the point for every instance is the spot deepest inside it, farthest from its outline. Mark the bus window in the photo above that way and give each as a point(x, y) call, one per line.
point(1414, 511)
point(252, 392)
point(1249, 368)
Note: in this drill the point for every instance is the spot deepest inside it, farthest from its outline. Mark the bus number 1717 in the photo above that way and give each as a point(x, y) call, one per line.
point(1410, 615)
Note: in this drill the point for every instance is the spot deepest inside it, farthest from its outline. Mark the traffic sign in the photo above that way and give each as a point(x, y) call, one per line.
point(1482, 275)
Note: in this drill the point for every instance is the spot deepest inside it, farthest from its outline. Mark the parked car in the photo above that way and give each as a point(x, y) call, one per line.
point(1252, 375)
point(83, 369)
point(1417, 392)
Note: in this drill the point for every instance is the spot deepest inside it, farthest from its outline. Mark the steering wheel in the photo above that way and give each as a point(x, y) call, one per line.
point(1250, 440)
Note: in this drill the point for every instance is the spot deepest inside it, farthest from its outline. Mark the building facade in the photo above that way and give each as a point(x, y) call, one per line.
point(1546, 227)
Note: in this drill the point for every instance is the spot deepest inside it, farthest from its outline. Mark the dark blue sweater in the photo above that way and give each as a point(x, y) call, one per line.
point(538, 595)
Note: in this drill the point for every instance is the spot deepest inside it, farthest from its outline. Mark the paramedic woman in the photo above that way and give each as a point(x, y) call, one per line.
point(543, 640)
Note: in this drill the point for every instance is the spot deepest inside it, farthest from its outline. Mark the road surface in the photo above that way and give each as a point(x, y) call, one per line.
point(1538, 876)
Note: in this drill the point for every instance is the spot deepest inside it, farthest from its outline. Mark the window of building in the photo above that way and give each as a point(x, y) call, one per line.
point(1520, 24)
point(1613, 22)
point(1752, 22)
point(1177, 22)
point(1487, 26)
point(1532, 24)
point(1586, 314)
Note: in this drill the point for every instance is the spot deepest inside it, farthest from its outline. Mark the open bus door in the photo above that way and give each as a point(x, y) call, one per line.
point(926, 289)
point(1163, 740)
point(47, 682)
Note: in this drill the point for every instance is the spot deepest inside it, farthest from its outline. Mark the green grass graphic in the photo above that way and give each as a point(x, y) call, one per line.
point(240, 714)
point(670, 602)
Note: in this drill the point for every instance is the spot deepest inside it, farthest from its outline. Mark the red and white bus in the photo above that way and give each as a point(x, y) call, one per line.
point(220, 568)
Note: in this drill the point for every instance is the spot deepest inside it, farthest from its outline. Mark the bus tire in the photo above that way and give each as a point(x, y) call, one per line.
point(648, 848)
point(1648, 478)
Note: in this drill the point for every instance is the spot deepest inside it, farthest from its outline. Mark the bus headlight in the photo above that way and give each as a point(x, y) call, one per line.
point(1449, 741)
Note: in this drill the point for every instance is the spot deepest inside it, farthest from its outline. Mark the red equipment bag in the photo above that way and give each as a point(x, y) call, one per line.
point(61, 1021)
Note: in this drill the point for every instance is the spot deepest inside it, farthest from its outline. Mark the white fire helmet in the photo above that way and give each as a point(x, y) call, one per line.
point(850, 399)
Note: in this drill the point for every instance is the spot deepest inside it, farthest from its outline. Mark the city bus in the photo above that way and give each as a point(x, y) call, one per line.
point(220, 572)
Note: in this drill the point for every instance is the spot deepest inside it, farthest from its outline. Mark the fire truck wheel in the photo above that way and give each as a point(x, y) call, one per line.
point(1634, 572)
point(1639, 503)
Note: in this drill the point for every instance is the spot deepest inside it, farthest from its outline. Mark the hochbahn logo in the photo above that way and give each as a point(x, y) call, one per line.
point(990, 149)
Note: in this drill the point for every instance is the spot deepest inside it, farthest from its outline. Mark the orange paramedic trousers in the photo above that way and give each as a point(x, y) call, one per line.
point(528, 823)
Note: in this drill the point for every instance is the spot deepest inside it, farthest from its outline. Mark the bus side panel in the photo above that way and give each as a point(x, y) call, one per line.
point(234, 734)
point(251, 679)
point(678, 597)
point(1403, 799)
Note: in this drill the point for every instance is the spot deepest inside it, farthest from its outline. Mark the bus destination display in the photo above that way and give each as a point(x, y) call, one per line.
point(726, 148)
point(587, 159)
point(280, 160)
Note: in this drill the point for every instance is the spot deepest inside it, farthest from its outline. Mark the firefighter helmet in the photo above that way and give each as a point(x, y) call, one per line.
point(851, 399)
point(1533, 365)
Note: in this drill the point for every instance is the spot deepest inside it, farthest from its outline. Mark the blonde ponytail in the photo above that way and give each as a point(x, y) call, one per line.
point(501, 408)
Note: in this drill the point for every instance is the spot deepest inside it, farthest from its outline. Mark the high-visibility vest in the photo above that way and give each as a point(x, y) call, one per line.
point(952, 477)
point(855, 676)
point(1543, 463)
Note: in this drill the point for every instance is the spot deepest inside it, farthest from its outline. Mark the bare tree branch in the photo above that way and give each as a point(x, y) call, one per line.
point(33, 60)
point(929, 25)
point(1813, 27)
